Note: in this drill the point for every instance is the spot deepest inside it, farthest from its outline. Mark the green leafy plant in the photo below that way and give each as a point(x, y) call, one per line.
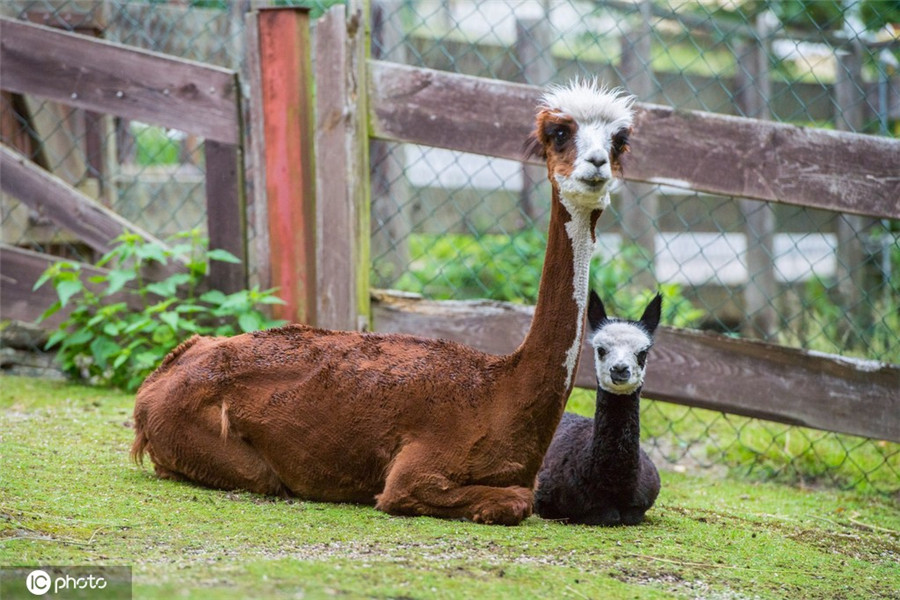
point(122, 325)
point(495, 266)
point(154, 146)
point(508, 267)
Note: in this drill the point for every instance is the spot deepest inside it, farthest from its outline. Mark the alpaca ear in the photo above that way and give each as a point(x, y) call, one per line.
point(596, 311)
point(652, 314)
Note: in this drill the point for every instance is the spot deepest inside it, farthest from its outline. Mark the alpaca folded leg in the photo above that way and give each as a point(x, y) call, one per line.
point(202, 451)
point(633, 515)
point(607, 515)
point(412, 490)
point(479, 503)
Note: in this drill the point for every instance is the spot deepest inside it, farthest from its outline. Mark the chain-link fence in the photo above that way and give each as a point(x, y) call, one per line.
point(452, 225)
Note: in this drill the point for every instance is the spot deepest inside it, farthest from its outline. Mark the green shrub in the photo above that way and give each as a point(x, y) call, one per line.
point(826, 324)
point(495, 266)
point(153, 146)
point(107, 342)
point(508, 267)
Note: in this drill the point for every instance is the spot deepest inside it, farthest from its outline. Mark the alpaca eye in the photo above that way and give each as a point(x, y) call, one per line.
point(601, 353)
point(642, 358)
point(620, 143)
point(560, 137)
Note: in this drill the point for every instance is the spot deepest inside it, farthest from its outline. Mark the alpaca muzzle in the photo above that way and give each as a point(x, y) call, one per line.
point(619, 374)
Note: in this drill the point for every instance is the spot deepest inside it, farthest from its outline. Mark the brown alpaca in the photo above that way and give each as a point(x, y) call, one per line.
point(415, 426)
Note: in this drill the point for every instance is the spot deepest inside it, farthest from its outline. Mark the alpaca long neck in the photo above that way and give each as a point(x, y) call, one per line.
point(615, 448)
point(549, 355)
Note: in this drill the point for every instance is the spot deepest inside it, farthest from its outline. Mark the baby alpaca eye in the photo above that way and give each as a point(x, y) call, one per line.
point(601, 353)
point(642, 358)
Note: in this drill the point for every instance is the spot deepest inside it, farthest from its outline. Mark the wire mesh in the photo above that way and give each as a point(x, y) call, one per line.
point(452, 225)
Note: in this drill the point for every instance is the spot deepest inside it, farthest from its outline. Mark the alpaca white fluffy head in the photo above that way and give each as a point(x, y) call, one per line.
point(588, 101)
point(582, 131)
point(621, 347)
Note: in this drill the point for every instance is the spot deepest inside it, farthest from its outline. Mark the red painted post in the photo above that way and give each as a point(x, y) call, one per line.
point(286, 82)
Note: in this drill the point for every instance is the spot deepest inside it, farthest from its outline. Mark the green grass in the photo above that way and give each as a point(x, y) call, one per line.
point(69, 495)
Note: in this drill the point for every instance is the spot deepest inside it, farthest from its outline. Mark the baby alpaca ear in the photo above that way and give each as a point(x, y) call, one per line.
point(596, 311)
point(652, 314)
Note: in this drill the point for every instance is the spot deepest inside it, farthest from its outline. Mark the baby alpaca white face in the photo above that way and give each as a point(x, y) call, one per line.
point(621, 347)
point(620, 356)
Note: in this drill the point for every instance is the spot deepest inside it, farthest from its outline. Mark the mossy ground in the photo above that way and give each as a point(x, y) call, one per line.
point(69, 495)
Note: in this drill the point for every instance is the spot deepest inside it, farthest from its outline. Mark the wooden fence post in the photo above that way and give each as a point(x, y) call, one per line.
point(255, 172)
point(225, 214)
point(754, 90)
point(285, 89)
point(341, 207)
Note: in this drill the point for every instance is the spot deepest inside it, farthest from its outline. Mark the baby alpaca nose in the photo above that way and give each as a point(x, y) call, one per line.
point(619, 373)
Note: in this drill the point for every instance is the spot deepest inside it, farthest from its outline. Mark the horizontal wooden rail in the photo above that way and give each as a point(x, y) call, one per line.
point(20, 270)
point(705, 370)
point(719, 154)
point(50, 196)
point(111, 78)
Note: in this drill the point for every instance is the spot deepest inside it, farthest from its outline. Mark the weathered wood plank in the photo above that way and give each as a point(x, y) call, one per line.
point(712, 153)
point(359, 164)
point(111, 78)
point(20, 270)
point(258, 211)
point(93, 223)
point(705, 370)
point(285, 72)
point(817, 168)
point(335, 210)
point(225, 215)
point(435, 108)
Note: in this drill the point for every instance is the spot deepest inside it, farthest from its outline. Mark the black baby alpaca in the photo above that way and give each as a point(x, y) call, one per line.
point(595, 471)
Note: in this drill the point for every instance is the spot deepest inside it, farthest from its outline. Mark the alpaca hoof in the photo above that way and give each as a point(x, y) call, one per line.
point(511, 509)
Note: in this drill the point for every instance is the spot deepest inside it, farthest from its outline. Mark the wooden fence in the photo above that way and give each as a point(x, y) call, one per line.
point(107, 78)
point(359, 100)
point(719, 154)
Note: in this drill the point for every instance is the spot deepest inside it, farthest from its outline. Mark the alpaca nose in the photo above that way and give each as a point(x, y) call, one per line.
point(597, 160)
point(619, 373)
